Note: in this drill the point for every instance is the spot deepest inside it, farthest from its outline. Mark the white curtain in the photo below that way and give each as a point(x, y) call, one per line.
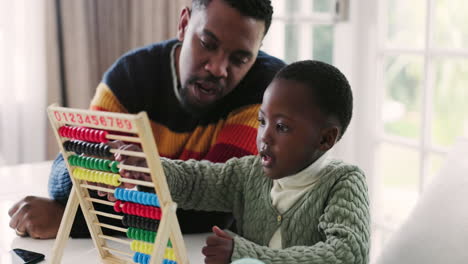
point(23, 116)
point(94, 34)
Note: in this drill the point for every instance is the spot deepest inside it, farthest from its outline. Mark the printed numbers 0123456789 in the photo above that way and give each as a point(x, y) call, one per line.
point(83, 119)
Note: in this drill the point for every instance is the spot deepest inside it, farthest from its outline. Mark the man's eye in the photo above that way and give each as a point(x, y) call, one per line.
point(239, 60)
point(282, 128)
point(207, 45)
point(261, 121)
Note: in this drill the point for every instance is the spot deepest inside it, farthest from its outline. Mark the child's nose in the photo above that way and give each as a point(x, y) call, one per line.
point(266, 137)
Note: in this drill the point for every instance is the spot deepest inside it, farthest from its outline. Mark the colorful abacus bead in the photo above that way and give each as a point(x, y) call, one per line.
point(143, 247)
point(147, 248)
point(87, 148)
point(94, 163)
point(83, 133)
point(140, 234)
point(141, 210)
point(137, 197)
point(141, 258)
point(97, 176)
point(140, 222)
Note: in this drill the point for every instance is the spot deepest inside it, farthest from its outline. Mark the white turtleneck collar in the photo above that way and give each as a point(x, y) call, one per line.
point(287, 190)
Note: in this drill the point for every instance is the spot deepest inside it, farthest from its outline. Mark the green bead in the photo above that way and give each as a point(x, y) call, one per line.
point(114, 167)
point(70, 160)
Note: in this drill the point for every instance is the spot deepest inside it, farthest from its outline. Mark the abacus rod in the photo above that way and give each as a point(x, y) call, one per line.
point(116, 239)
point(116, 228)
point(97, 188)
point(137, 182)
point(100, 201)
point(128, 153)
point(134, 168)
point(118, 251)
point(124, 138)
point(119, 217)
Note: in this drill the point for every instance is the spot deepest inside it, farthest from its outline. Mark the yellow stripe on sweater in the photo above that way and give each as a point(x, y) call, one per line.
point(105, 100)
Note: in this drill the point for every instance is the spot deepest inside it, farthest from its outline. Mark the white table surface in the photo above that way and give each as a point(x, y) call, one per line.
point(31, 179)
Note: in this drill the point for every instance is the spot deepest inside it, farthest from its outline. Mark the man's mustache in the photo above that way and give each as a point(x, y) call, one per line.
point(209, 79)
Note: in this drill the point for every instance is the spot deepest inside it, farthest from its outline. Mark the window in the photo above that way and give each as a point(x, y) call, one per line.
point(301, 29)
point(22, 81)
point(422, 68)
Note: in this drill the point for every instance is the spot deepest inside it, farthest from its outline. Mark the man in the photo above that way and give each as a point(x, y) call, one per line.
point(201, 91)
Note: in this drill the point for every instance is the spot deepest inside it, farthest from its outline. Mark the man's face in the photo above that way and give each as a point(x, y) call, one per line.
point(219, 46)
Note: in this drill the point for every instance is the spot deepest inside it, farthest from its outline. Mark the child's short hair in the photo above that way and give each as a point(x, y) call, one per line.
point(331, 90)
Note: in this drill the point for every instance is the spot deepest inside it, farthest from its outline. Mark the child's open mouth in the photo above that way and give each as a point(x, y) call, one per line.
point(267, 159)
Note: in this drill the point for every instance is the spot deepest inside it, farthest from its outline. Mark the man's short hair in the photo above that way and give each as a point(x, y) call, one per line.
point(258, 9)
point(330, 89)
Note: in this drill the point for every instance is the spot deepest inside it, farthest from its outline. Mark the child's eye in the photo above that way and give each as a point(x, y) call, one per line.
point(282, 128)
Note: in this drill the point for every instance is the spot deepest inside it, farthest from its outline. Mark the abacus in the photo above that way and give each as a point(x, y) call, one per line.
point(151, 227)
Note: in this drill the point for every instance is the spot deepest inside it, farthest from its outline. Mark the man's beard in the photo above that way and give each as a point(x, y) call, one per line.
point(191, 108)
point(194, 109)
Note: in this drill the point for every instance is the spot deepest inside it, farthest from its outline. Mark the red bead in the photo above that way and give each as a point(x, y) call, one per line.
point(117, 206)
point(60, 131)
point(68, 132)
point(95, 136)
point(74, 133)
point(102, 136)
point(80, 131)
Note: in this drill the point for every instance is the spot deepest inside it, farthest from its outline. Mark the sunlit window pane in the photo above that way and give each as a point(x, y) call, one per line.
point(324, 6)
point(398, 168)
point(435, 162)
point(406, 22)
point(292, 6)
point(274, 40)
point(451, 24)
point(323, 39)
point(401, 109)
point(450, 100)
point(291, 33)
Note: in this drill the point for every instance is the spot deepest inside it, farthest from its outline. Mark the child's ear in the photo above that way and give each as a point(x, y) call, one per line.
point(183, 23)
point(329, 138)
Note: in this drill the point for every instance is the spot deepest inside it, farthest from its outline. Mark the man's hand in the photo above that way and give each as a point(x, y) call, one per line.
point(36, 216)
point(219, 247)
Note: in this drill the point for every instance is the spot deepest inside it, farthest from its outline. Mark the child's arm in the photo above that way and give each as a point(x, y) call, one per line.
point(203, 185)
point(345, 226)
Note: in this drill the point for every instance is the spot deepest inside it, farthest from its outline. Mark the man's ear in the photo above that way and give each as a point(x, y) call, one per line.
point(183, 23)
point(329, 137)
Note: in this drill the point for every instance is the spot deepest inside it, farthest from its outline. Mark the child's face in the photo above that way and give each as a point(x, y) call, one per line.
point(290, 131)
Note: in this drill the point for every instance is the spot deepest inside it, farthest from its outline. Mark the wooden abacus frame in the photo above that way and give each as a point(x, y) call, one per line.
point(139, 125)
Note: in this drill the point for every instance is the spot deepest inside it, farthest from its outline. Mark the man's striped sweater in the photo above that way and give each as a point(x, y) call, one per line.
point(143, 80)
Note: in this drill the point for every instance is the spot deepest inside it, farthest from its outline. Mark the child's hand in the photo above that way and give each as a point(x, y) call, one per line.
point(219, 247)
point(132, 161)
point(125, 160)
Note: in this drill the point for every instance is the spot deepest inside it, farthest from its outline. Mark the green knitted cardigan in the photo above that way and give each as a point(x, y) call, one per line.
point(329, 224)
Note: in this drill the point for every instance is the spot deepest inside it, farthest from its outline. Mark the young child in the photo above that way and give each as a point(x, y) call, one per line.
point(292, 204)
